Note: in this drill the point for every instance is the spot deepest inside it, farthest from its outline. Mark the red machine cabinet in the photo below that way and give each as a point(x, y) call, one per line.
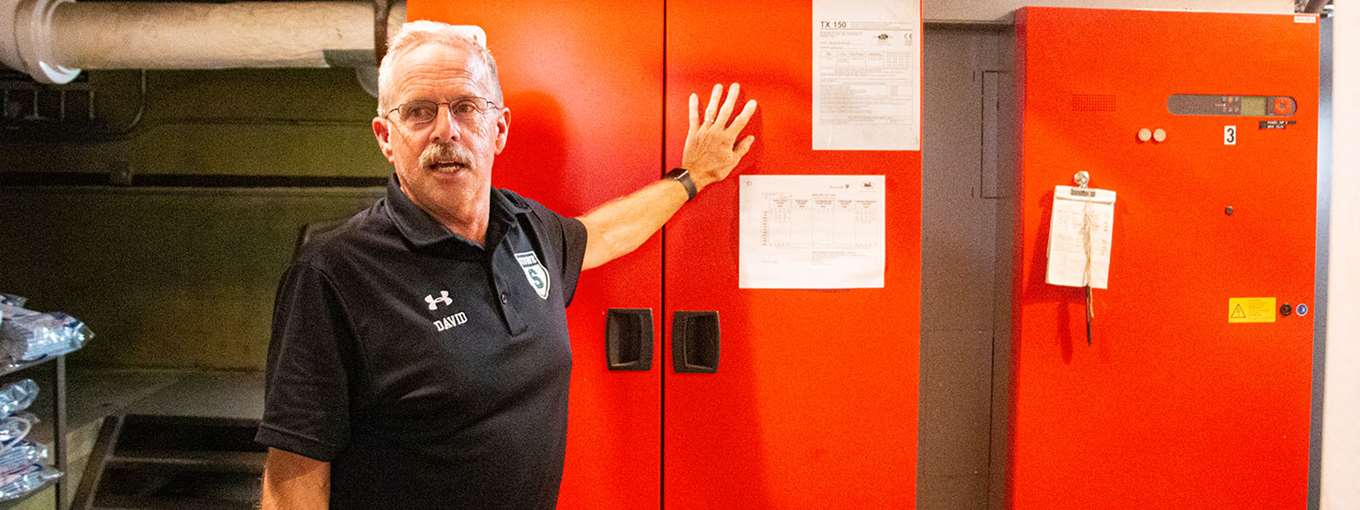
point(583, 83)
point(814, 403)
point(1172, 406)
point(815, 400)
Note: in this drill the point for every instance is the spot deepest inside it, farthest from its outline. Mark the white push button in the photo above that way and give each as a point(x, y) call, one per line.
point(1159, 135)
point(1144, 134)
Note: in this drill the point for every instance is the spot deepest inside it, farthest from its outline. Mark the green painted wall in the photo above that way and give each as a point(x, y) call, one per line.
point(184, 277)
point(312, 122)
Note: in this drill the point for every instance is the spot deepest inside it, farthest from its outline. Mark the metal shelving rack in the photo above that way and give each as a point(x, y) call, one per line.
point(57, 378)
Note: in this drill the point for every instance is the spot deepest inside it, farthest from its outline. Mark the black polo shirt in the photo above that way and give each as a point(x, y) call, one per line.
point(430, 372)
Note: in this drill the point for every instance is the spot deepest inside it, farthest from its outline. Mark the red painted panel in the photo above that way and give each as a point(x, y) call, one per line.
point(584, 88)
point(1172, 406)
point(814, 404)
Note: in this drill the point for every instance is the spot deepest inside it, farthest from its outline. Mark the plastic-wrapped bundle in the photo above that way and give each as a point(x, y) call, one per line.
point(18, 483)
point(19, 455)
point(27, 335)
point(17, 396)
point(22, 463)
point(14, 428)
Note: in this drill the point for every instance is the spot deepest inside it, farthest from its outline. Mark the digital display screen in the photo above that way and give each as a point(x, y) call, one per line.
point(1231, 106)
point(1254, 106)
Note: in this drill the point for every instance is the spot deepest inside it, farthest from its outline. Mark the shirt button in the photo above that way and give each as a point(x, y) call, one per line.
point(505, 298)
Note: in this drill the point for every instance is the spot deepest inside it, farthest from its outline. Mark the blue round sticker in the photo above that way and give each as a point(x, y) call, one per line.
point(1302, 309)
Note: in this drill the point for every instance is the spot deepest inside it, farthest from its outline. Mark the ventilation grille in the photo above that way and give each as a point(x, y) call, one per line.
point(1092, 103)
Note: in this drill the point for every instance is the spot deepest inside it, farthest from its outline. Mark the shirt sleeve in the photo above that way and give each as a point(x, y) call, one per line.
point(312, 361)
point(574, 254)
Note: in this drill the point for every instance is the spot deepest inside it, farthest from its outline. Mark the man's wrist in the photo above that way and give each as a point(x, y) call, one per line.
point(681, 176)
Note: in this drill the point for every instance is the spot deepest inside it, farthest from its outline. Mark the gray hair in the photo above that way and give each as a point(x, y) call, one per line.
point(417, 33)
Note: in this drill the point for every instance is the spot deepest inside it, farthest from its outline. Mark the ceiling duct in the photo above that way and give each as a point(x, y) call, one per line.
point(53, 40)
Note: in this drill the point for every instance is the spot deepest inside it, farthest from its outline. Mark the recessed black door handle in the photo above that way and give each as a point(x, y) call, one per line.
point(694, 341)
point(628, 338)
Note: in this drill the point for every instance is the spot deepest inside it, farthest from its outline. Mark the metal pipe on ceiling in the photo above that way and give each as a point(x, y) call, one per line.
point(52, 40)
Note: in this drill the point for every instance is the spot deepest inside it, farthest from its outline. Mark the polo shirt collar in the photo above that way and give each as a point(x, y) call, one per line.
point(422, 230)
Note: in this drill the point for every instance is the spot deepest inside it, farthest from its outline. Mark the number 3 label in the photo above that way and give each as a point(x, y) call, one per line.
point(1229, 135)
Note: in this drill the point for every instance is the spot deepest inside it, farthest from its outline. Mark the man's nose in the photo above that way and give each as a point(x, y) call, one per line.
point(445, 127)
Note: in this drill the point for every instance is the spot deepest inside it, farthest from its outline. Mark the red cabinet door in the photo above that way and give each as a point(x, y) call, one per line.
point(814, 402)
point(583, 83)
point(1172, 406)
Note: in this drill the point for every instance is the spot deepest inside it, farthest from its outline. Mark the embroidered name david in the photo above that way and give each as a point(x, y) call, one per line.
point(451, 321)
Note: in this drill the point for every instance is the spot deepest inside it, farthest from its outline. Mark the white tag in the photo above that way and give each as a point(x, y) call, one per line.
point(1229, 135)
point(1079, 237)
point(1303, 18)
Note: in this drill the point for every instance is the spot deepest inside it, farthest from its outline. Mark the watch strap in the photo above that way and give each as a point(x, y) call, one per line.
point(681, 176)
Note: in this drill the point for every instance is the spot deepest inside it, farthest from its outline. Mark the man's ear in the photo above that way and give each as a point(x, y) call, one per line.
point(502, 130)
point(383, 133)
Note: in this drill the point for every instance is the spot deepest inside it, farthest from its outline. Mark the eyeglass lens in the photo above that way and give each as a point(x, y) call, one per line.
point(419, 113)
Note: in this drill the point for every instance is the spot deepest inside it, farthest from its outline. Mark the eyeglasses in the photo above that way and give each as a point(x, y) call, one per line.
point(419, 114)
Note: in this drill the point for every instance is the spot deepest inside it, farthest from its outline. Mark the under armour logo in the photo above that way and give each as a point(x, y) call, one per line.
point(435, 301)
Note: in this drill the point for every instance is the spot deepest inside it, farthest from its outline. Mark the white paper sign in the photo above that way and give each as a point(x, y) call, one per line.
point(866, 65)
point(812, 231)
point(1079, 237)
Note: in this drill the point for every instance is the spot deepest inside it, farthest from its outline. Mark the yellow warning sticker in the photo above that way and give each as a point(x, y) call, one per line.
point(1251, 309)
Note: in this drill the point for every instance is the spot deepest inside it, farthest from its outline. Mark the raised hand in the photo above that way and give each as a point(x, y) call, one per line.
point(711, 147)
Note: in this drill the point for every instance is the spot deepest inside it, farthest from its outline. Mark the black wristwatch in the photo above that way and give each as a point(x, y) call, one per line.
point(681, 176)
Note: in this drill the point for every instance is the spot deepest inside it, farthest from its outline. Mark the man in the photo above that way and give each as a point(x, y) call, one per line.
point(419, 356)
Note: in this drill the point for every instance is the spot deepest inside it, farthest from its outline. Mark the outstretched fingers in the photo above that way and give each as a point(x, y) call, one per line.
point(714, 144)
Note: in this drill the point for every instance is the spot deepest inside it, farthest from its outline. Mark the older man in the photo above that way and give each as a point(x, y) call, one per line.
point(420, 356)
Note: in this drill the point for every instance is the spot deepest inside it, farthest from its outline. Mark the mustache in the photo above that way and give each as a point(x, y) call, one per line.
point(444, 153)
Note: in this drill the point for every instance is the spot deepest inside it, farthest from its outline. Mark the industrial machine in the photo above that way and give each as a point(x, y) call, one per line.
point(784, 398)
point(815, 402)
point(1185, 381)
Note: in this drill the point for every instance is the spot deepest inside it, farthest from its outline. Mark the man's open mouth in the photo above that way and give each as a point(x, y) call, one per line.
point(448, 166)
